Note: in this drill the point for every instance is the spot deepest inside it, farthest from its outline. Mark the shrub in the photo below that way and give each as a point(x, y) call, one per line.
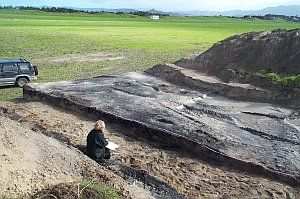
point(287, 81)
point(102, 191)
point(273, 76)
point(82, 190)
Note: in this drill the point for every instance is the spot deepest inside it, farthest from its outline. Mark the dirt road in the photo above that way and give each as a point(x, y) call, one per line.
point(191, 177)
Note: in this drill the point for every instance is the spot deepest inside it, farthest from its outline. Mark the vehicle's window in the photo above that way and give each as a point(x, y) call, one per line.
point(10, 68)
point(24, 67)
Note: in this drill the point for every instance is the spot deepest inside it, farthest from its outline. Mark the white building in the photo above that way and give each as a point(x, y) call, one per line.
point(154, 17)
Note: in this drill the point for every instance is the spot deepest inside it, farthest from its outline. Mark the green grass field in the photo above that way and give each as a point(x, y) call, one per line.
point(41, 36)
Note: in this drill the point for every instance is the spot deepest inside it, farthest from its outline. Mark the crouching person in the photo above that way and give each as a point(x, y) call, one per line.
point(96, 143)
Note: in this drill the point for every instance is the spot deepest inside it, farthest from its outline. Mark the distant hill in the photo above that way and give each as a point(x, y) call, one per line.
point(293, 10)
point(126, 10)
point(282, 10)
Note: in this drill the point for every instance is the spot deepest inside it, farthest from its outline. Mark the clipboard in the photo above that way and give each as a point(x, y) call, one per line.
point(112, 146)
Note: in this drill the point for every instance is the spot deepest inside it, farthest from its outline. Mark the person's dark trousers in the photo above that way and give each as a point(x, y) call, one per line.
point(102, 154)
point(107, 154)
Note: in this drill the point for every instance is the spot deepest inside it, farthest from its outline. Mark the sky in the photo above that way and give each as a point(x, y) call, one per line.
point(166, 5)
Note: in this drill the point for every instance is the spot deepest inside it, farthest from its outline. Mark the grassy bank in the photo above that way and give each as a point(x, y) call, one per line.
point(141, 42)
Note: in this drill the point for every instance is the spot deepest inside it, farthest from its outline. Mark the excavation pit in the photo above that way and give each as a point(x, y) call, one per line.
point(252, 137)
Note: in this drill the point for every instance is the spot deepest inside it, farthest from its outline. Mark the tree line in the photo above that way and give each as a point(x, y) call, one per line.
point(70, 10)
point(45, 9)
point(147, 14)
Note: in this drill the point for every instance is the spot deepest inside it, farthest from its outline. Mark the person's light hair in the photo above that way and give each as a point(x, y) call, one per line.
point(100, 125)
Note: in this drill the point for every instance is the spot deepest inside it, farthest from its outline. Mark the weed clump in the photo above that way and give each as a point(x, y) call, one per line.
point(82, 190)
point(285, 81)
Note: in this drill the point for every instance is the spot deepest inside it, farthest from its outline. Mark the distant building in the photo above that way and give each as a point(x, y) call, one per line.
point(154, 17)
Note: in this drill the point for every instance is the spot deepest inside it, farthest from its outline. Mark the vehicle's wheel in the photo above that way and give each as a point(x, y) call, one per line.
point(22, 81)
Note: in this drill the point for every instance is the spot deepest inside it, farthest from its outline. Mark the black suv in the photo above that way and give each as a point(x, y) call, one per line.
point(17, 72)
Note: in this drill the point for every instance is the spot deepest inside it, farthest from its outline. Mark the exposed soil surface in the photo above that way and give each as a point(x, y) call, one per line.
point(259, 138)
point(193, 178)
point(73, 58)
point(211, 84)
point(30, 161)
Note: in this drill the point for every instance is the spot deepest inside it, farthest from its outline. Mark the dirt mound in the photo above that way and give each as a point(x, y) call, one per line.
point(31, 161)
point(277, 51)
